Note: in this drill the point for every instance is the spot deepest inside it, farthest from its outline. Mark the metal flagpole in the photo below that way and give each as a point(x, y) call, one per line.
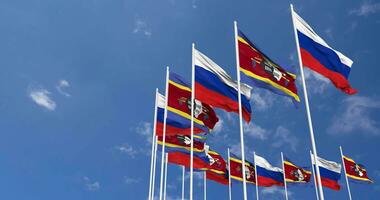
point(240, 111)
point(345, 173)
point(192, 120)
point(307, 108)
point(164, 132)
point(315, 178)
point(166, 174)
point(204, 185)
point(183, 182)
point(256, 180)
point(153, 143)
point(229, 175)
point(154, 166)
point(283, 171)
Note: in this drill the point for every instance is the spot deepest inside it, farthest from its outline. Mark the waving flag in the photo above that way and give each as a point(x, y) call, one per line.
point(317, 55)
point(295, 174)
point(179, 102)
point(179, 158)
point(260, 71)
point(237, 172)
point(175, 124)
point(329, 171)
point(182, 143)
point(217, 170)
point(216, 88)
point(355, 171)
point(267, 175)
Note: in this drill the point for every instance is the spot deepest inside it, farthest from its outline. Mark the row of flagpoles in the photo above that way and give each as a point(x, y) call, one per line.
point(257, 70)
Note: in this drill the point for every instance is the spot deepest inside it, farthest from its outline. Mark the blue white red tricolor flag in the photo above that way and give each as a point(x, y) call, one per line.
point(355, 171)
point(267, 175)
point(317, 55)
point(216, 88)
point(329, 171)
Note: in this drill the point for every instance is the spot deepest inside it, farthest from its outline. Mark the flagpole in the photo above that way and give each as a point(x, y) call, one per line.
point(154, 166)
point(192, 120)
point(164, 132)
point(204, 186)
point(166, 174)
point(256, 181)
point(345, 173)
point(315, 178)
point(240, 111)
point(283, 171)
point(183, 182)
point(153, 143)
point(229, 175)
point(314, 148)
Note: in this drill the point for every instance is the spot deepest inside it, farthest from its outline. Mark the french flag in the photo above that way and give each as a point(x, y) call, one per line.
point(216, 88)
point(267, 175)
point(175, 124)
point(330, 172)
point(317, 55)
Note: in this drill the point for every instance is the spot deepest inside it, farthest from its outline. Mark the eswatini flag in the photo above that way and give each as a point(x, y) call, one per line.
point(329, 171)
point(175, 123)
point(267, 175)
point(216, 88)
point(258, 70)
point(218, 168)
point(317, 55)
point(294, 173)
point(179, 102)
point(236, 170)
point(355, 171)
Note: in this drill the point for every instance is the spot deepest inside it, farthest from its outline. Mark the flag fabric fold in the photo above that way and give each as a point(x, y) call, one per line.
point(355, 171)
point(317, 55)
point(259, 70)
point(216, 88)
point(329, 172)
point(267, 175)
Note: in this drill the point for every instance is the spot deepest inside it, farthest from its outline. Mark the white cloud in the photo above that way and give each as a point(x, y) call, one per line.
point(356, 116)
point(366, 8)
point(218, 126)
point(283, 137)
point(262, 100)
point(129, 180)
point(62, 84)
point(274, 191)
point(256, 131)
point(91, 185)
point(315, 82)
point(146, 130)
point(142, 28)
point(127, 149)
point(41, 97)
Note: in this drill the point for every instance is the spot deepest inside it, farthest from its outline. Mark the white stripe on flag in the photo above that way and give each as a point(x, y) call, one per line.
point(262, 162)
point(330, 165)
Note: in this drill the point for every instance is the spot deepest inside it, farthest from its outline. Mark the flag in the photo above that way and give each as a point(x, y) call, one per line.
point(267, 175)
point(180, 158)
point(295, 174)
point(317, 55)
point(216, 88)
point(179, 102)
point(217, 170)
point(236, 171)
point(260, 71)
point(355, 171)
point(329, 171)
point(175, 124)
point(182, 143)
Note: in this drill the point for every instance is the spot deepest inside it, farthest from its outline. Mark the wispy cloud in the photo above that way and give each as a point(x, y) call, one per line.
point(142, 28)
point(42, 98)
point(274, 191)
point(130, 180)
point(127, 149)
point(316, 83)
point(256, 131)
point(356, 116)
point(91, 185)
point(283, 136)
point(262, 100)
point(145, 129)
point(366, 8)
point(62, 85)
point(194, 4)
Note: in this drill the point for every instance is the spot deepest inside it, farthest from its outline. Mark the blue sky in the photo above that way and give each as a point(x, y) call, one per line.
point(77, 88)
